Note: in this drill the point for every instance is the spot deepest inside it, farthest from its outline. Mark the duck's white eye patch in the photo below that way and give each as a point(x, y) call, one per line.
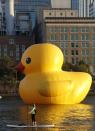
point(28, 60)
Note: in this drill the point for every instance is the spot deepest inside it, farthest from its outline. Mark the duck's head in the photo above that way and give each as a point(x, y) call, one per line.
point(41, 58)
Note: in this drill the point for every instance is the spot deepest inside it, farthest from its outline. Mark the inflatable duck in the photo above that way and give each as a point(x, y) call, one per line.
point(45, 82)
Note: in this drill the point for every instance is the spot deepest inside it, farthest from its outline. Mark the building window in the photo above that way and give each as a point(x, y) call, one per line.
point(76, 52)
point(73, 61)
point(77, 60)
point(65, 44)
point(72, 36)
point(50, 29)
point(65, 52)
point(56, 29)
point(85, 44)
point(93, 29)
point(17, 56)
point(17, 52)
point(11, 53)
point(72, 52)
point(0, 50)
point(49, 13)
point(76, 37)
point(93, 52)
point(17, 48)
point(62, 45)
point(56, 37)
point(64, 37)
point(74, 29)
point(77, 44)
point(87, 29)
point(93, 44)
point(71, 13)
point(93, 60)
point(87, 52)
point(64, 29)
point(23, 48)
point(84, 29)
point(93, 36)
point(72, 44)
point(61, 13)
point(83, 52)
point(85, 59)
point(83, 37)
point(51, 37)
point(87, 37)
point(5, 50)
point(11, 41)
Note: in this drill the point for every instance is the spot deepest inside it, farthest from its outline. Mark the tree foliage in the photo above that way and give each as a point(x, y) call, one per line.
point(7, 72)
point(81, 66)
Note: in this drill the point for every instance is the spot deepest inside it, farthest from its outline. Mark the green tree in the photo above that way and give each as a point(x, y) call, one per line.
point(7, 72)
point(67, 66)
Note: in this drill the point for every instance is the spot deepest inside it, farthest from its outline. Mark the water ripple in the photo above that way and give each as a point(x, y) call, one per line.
point(80, 117)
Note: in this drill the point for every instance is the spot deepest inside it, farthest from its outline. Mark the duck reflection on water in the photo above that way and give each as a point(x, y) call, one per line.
point(79, 116)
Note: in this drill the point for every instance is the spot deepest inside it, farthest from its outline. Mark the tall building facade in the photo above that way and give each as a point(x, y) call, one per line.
point(84, 8)
point(74, 35)
point(74, 4)
point(22, 14)
point(92, 9)
point(9, 15)
point(0, 16)
point(17, 21)
point(0, 7)
point(35, 7)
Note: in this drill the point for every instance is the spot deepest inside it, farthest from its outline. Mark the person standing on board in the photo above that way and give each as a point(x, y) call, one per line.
point(33, 114)
point(0, 97)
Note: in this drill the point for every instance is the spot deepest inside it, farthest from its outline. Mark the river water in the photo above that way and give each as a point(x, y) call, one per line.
point(79, 117)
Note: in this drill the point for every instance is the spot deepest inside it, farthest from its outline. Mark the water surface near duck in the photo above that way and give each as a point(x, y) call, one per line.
point(80, 117)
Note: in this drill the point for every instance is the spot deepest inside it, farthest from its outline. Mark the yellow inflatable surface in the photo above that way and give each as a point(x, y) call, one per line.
point(45, 82)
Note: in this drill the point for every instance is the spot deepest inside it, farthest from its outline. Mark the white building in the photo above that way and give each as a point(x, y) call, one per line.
point(61, 3)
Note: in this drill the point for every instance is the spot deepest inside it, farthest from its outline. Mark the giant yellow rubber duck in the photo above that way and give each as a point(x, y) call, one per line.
point(45, 82)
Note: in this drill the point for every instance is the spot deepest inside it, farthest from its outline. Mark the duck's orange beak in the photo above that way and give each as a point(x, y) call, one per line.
point(20, 67)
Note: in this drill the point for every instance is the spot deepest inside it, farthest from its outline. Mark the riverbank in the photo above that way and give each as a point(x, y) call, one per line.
point(11, 94)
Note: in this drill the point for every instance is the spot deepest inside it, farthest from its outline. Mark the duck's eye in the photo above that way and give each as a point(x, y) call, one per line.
point(28, 60)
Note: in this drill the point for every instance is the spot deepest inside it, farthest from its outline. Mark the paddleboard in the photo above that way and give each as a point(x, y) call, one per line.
point(34, 126)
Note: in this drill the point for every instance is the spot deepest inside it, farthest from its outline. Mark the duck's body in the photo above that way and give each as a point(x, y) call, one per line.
point(44, 84)
point(55, 87)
